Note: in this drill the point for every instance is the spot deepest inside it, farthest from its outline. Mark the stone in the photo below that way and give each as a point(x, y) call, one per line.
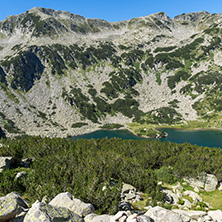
point(193, 214)
point(196, 197)
point(196, 189)
point(20, 175)
point(207, 182)
point(124, 206)
point(19, 218)
point(210, 183)
point(177, 188)
point(187, 203)
point(68, 201)
point(121, 214)
point(90, 217)
point(170, 197)
point(220, 187)
point(159, 214)
point(41, 212)
point(215, 214)
point(8, 208)
point(143, 218)
point(128, 192)
point(5, 163)
point(103, 218)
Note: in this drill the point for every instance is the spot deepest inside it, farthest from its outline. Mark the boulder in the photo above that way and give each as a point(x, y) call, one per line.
point(215, 214)
point(178, 188)
point(41, 212)
point(144, 218)
point(90, 217)
point(19, 218)
point(21, 175)
point(193, 214)
point(207, 182)
point(128, 192)
point(187, 204)
point(220, 187)
point(170, 197)
point(196, 197)
point(5, 163)
point(8, 208)
point(159, 214)
point(103, 218)
point(124, 206)
point(210, 183)
point(68, 201)
point(121, 214)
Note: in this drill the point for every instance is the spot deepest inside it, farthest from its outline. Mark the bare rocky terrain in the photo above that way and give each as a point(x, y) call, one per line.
point(58, 69)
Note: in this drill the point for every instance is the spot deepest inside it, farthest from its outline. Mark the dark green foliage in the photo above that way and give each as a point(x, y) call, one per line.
point(10, 127)
point(185, 52)
point(165, 174)
point(27, 68)
point(180, 75)
point(83, 167)
point(2, 76)
point(111, 126)
point(132, 56)
point(92, 92)
point(79, 124)
point(163, 115)
point(164, 49)
point(165, 58)
point(53, 57)
point(174, 103)
point(76, 98)
point(2, 133)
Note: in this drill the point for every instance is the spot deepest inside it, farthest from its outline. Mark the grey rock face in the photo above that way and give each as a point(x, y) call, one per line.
point(8, 208)
point(207, 182)
point(159, 214)
point(215, 215)
point(68, 201)
point(41, 212)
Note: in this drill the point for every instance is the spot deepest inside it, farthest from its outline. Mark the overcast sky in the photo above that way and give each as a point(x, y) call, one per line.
point(112, 10)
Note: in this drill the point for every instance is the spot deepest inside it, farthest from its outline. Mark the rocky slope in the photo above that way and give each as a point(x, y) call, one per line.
point(58, 69)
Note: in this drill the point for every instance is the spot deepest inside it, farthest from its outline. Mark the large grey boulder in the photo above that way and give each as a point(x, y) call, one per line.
point(128, 192)
point(41, 212)
point(103, 218)
point(68, 201)
point(207, 182)
point(159, 214)
point(193, 214)
point(22, 207)
point(196, 197)
point(5, 163)
point(215, 214)
point(8, 208)
point(210, 183)
point(170, 197)
point(90, 217)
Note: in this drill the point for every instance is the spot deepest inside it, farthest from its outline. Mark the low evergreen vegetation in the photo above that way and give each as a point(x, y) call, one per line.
point(84, 167)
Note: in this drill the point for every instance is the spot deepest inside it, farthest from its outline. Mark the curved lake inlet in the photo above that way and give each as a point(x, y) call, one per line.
point(210, 138)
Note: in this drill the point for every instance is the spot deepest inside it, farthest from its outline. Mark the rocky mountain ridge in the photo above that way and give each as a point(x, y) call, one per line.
point(58, 69)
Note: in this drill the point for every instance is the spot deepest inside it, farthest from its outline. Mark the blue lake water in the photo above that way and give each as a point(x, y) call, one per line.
point(210, 138)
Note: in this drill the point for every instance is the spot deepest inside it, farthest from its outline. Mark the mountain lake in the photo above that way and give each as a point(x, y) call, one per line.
point(210, 138)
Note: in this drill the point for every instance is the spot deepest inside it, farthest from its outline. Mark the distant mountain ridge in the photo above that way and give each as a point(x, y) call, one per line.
point(58, 69)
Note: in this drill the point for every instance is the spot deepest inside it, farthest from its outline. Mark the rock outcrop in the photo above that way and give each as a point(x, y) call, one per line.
point(46, 213)
point(68, 201)
point(207, 182)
